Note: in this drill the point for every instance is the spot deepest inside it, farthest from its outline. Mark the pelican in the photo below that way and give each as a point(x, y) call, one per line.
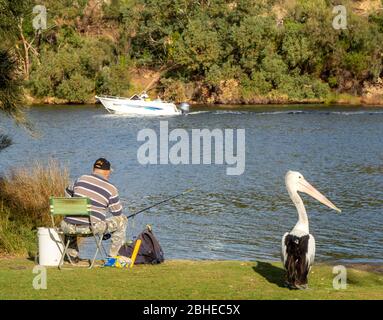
point(298, 245)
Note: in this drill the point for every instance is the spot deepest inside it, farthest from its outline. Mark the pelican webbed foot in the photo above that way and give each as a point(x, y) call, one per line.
point(294, 286)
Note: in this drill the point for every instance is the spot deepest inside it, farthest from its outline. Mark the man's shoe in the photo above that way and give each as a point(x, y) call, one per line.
point(71, 259)
point(75, 260)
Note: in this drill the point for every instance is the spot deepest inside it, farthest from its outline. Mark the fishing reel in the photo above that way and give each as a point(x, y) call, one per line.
point(106, 236)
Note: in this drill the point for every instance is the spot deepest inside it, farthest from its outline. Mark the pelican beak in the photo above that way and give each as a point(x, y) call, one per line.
point(306, 187)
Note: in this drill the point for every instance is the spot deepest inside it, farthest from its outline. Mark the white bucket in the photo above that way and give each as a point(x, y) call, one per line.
point(50, 247)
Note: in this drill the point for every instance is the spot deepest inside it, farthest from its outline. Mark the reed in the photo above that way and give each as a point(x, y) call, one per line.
point(24, 203)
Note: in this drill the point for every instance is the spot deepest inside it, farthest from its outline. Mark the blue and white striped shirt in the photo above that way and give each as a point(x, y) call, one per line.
point(102, 194)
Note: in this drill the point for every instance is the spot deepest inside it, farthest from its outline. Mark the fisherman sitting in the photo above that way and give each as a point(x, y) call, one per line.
point(104, 197)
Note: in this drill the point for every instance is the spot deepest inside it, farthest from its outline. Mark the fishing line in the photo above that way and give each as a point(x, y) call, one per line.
point(160, 202)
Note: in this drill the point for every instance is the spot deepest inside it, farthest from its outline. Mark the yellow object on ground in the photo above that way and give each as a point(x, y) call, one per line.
point(122, 262)
point(135, 252)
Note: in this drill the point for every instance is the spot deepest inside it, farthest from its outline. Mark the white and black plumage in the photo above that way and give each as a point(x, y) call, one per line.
point(298, 245)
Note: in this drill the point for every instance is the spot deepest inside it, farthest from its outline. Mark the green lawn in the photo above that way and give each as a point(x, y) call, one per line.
point(184, 280)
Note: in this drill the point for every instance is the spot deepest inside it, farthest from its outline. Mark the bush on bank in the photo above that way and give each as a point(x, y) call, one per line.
point(24, 204)
point(273, 50)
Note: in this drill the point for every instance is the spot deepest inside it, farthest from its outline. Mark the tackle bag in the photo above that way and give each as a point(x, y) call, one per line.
point(150, 250)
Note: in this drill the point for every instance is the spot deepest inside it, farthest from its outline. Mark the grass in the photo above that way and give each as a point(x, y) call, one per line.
point(186, 280)
point(16, 238)
point(26, 190)
point(24, 204)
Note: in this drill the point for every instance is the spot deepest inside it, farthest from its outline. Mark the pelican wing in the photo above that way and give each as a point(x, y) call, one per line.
point(310, 255)
point(284, 249)
point(298, 256)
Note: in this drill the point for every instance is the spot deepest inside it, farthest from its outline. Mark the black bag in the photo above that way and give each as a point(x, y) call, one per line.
point(150, 250)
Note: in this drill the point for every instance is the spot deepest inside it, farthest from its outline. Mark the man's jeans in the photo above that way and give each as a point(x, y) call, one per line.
point(115, 225)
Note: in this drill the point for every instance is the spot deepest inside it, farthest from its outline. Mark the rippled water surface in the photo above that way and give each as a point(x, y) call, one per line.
point(339, 150)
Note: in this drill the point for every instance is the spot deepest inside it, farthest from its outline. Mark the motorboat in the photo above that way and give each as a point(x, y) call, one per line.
point(141, 104)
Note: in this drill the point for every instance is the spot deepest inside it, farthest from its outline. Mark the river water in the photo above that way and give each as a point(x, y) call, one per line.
point(338, 149)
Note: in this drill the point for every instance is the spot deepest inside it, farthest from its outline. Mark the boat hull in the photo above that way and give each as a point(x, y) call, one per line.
point(138, 107)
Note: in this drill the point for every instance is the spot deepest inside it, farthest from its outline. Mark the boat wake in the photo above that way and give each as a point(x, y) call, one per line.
point(257, 113)
point(300, 112)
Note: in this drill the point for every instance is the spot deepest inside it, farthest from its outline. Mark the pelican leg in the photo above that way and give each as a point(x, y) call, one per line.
point(302, 286)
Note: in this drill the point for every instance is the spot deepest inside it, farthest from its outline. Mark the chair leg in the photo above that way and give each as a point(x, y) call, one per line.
point(63, 255)
point(103, 248)
point(61, 236)
point(98, 244)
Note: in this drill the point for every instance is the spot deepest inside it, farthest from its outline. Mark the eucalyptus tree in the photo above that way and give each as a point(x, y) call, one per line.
point(11, 85)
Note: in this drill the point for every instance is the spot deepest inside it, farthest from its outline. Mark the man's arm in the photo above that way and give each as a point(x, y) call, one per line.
point(115, 206)
point(69, 191)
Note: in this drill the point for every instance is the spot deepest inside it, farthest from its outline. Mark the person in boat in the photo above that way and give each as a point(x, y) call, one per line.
point(144, 96)
point(104, 197)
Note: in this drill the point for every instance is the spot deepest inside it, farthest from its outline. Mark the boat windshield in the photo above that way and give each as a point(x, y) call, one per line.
point(135, 97)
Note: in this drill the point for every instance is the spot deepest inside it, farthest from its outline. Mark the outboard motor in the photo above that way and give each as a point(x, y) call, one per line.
point(185, 107)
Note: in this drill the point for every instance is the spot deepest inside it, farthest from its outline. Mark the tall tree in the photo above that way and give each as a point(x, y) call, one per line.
point(11, 94)
point(11, 91)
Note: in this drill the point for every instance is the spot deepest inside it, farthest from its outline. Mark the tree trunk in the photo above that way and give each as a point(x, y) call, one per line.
point(26, 51)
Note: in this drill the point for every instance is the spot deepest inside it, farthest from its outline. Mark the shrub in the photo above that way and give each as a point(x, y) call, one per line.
point(173, 90)
point(259, 83)
point(199, 47)
point(24, 204)
point(274, 68)
point(71, 72)
point(303, 87)
point(209, 42)
point(15, 238)
point(76, 89)
point(229, 91)
point(25, 191)
point(114, 80)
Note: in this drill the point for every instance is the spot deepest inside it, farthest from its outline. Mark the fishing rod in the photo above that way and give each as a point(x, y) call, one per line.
point(162, 201)
point(108, 235)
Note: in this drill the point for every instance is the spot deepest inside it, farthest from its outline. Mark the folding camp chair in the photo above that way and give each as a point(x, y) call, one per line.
point(74, 207)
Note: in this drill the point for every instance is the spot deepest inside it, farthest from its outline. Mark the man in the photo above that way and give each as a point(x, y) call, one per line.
point(104, 197)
